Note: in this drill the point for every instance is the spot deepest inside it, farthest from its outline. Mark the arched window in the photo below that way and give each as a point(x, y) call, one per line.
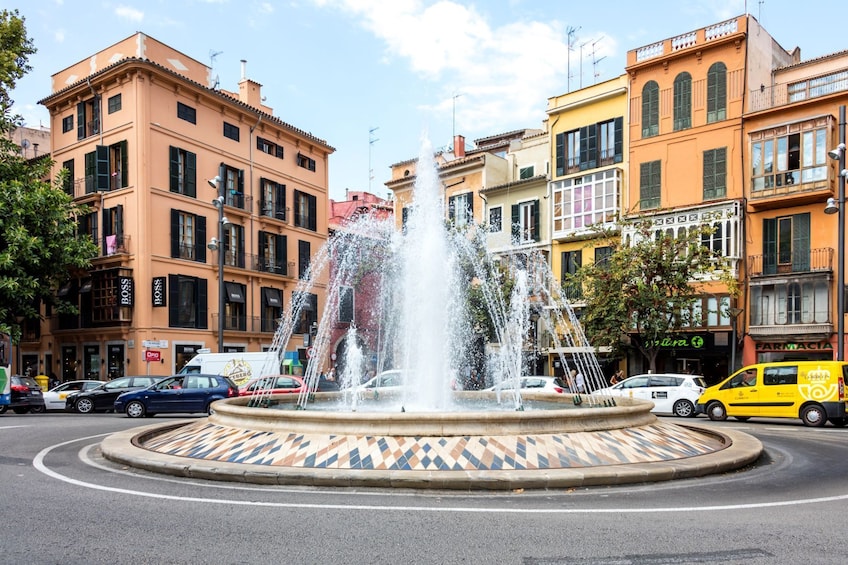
point(682, 101)
point(650, 109)
point(716, 93)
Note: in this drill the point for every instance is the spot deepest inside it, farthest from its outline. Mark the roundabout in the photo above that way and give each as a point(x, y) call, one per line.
point(539, 449)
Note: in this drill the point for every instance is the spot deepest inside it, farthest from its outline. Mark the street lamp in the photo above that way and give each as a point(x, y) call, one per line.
point(734, 316)
point(218, 244)
point(838, 207)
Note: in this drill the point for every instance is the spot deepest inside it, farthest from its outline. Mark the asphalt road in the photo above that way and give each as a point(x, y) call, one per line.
point(63, 503)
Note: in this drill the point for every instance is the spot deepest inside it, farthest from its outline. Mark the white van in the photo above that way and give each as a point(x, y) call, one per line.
point(240, 367)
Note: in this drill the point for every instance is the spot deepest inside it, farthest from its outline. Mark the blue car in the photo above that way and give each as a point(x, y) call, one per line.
point(180, 393)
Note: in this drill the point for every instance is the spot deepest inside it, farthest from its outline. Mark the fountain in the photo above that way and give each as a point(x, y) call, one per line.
point(425, 434)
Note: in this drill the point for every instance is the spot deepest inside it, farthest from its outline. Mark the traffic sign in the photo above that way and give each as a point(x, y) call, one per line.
point(309, 353)
point(154, 343)
point(152, 356)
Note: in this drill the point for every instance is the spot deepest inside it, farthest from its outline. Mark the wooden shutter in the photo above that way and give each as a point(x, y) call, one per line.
point(190, 177)
point(313, 212)
point(451, 208)
point(280, 254)
point(618, 129)
point(537, 231)
point(769, 246)
point(175, 233)
point(200, 238)
point(202, 298)
point(81, 120)
point(801, 242)
point(173, 300)
point(119, 223)
point(280, 202)
point(125, 170)
point(560, 154)
point(90, 172)
point(174, 168)
point(240, 238)
point(102, 161)
point(516, 227)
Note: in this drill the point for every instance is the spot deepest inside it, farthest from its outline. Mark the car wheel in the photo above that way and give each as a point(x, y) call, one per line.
point(683, 409)
point(37, 409)
point(839, 422)
point(716, 412)
point(20, 410)
point(135, 409)
point(209, 410)
point(3, 409)
point(814, 416)
point(85, 406)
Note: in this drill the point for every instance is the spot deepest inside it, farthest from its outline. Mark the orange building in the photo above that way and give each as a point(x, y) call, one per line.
point(141, 128)
point(688, 95)
point(792, 244)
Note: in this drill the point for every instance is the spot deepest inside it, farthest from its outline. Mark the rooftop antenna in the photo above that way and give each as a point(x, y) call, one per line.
point(453, 133)
point(371, 141)
point(571, 40)
point(596, 61)
point(212, 55)
point(582, 45)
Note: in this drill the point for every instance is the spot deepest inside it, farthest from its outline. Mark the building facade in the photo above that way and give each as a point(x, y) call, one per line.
point(176, 171)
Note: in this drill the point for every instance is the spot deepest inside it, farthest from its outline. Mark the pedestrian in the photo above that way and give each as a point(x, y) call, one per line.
point(571, 380)
point(617, 377)
point(580, 383)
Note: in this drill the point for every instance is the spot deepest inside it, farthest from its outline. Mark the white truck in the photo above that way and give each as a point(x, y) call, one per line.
point(240, 367)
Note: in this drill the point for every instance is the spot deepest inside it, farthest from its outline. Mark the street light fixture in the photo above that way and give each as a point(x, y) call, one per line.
point(217, 184)
point(838, 207)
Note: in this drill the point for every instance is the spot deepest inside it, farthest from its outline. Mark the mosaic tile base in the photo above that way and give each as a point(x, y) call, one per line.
point(651, 443)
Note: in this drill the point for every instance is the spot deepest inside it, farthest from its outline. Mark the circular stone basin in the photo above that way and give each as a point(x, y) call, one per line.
point(551, 448)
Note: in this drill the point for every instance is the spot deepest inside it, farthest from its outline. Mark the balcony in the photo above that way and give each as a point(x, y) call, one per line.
point(808, 261)
point(268, 265)
point(783, 94)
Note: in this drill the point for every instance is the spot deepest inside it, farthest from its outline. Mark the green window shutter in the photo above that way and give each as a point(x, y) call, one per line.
point(516, 227)
point(769, 246)
point(190, 174)
point(90, 172)
point(618, 129)
point(537, 229)
point(709, 175)
point(650, 109)
point(81, 120)
point(721, 172)
point(560, 154)
point(174, 169)
point(102, 182)
point(801, 242)
point(451, 208)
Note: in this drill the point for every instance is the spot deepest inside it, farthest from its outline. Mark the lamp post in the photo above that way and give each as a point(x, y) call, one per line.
point(218, 244)
point(838, 207)
point(734, 320)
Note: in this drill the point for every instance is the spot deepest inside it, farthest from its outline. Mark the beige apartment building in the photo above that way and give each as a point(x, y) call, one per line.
point(176, 171)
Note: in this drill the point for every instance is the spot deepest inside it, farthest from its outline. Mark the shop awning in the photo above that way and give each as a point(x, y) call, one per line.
point(235, 293)
point(272, 297)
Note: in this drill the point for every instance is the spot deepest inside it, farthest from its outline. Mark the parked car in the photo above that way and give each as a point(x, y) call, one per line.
point(273, 384)
point(103, 397)
point(26, 396)
point(180, 393)
point(54, 399)
point(387, 380)
point(541, 383)
point(671, 393)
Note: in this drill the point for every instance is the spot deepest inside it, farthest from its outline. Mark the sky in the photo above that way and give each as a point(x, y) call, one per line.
point(374, 78)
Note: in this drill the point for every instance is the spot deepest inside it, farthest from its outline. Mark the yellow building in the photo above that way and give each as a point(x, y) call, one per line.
point(687, 98)
point(141, 128)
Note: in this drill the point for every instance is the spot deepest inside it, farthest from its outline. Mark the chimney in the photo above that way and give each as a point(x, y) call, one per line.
point(250, 92)
point(459, 145)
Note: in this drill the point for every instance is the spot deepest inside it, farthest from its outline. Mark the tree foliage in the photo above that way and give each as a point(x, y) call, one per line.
point(647, 287)
point(39, 247)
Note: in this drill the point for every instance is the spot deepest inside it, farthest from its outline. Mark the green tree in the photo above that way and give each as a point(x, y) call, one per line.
point(647, 288)
point(39, 248)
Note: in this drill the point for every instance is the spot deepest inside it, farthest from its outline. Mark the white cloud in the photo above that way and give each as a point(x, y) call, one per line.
point(59, 35)
point(129, 13)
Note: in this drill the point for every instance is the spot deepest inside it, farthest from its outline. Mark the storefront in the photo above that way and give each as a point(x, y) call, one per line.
point(770, 352)
point(702, 353)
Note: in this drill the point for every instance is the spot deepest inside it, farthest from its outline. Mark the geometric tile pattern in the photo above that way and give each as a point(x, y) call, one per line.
point(650, 443)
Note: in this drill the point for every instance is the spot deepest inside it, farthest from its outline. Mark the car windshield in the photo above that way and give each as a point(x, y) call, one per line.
point(29, 381)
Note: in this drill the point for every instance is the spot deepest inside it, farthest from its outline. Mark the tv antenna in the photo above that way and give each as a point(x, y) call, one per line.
point(371, 141)
point(212, 56)
point(453, 132)
point(595, 61)
point(571, 40)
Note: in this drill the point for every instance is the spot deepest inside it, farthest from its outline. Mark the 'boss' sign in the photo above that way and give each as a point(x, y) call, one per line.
point(159, 291)
point(125, 289)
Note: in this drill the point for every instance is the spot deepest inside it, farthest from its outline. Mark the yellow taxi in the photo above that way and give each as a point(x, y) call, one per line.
point(813, 391)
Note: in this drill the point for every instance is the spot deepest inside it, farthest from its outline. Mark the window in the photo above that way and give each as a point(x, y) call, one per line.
point(585, 201)
point(346, 306)
point(571, 263)
point(790, 302)
point(272, 253)
point(183, 171)
point(682, 101)
point(305, 210)
point(461, 209)
point(789, 160)
point(106, 168)
point(526, 172)
point(67, 123)
point(496, 219)
point(273, 199)
point(607, 141)
point(88, 118)
point(525, 222)
point(590, 146)
point(304, 256)
point(235, 313)
point(231, 131)
point(68, 181)
point(113, 230)
point(272, 308)
point(113, 104)
point(111, 296)
point(715, 173)
point(88, 226)
point(269, 147)
point(716, 93)
point(233, 245)
point(233, 187)
point(602, 256)
point(786, 244)
point(186, 113)
point(186, 302)
point(188, 236)
point(305, 162)
point(649, 185)
point(780, 376)
point(308, 304)
point(650, 109)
